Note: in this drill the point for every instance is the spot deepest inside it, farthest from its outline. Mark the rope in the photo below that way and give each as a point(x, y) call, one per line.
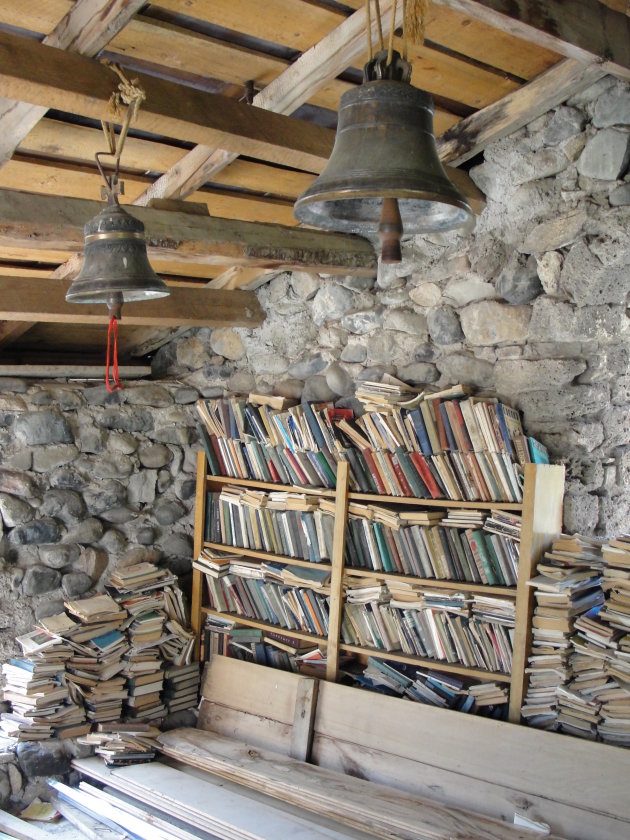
point(381, 42)
point(415, 20)
point(368, 30)
point(390, 48)
point(113, 384)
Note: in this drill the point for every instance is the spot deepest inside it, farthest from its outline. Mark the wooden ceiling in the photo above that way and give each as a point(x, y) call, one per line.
point(201, 138)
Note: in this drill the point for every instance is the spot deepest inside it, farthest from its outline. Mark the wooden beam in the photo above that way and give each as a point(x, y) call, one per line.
point(87, 27)
point(22, 299)
point(44, 76)
point(584, 30)
point(39, 222)
point(470, 136)
point(71, 370)
point(296, 85)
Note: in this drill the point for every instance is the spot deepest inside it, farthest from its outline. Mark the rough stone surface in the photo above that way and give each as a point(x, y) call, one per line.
point(339, 381)
point(489, 322)
point(57, 556)
point(521, 283)
point(155, 456)
point(426, 294)
point(331, 303)
point(40, 579)
point(444, 326)
point(612, 107)
point(620, 196)
point(14, 511)
point(46, 758)
point(555, 233)
point(38, 428)
point(606, 155)
point(227, 343)
point(466, 369)
point(45, 530)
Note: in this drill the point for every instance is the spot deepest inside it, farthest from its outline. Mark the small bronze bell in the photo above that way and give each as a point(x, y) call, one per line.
point(116, 268)
point(384, 149)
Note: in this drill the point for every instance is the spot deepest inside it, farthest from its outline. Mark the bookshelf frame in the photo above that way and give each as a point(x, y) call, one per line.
point(541, 512)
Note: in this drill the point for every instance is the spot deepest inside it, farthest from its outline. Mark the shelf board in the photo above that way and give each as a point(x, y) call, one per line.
point(270, 485)
point(432, 583)
point(448, 503)
point(434, 664)
point(263, 555)
point(362, 497)
point(266, 625)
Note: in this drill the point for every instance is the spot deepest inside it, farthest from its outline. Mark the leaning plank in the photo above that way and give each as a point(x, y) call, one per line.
point(358, 803)
point(23, 299)
point(579, 29)
point(90, 827)
point(41, 75)
point(487, 749)
point(302, 734)
point(87, 27)
point(20, 829)
point(203, 803)
point(37, 222)
point(469, 136)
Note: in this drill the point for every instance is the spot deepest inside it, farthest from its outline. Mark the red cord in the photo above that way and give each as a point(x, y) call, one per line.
point(112, 330)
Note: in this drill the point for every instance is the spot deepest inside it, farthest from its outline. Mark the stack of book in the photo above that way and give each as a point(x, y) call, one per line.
point(567, 586)
point(429, 445)
point(289, 524)
point(447, 626)
point(426, 544)
point(271, 592)
point(215, 636)
point(120, 744)
point(35, 685)
point(434, 688)
point(181, 687)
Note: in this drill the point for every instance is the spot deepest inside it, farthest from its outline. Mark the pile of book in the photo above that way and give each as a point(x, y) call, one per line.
point(293, 597)
point(101, 659)
point(567, 586)
point(181, 687)
point(36, 687)
point(120, 744)
point(434, 688)
point(448, 626)
point(445, 444)
point(459, 547)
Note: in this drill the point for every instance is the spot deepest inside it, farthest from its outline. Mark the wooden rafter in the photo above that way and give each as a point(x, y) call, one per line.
point(44, 301)
point(29, 221)
point(584, 30)
point(86, 28)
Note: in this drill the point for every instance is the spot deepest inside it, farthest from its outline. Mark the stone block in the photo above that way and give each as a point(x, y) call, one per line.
point(12, 383)
point(426, 294)
point(119, 515)
point(460, 367)
point(289, 388)
point(581, 513)
point(51, 457)
point(616, 421)
point(565, 122)
point(614, 514)
point(155, 456)
point(167, 512)
point(92, 562)
point(361, 323)
point(555, 233)
point(14, 511)
point(418, 373)
point(58, 555)
point(75, 584)
point(566, 323)
point(40, 579)
point(407, 321)
point(126, 420)
point(549, 267)
point(122, 442)
point(354, 352)
point(44, 758)
point(444, 325)
point(621, 390)
point(151, 394)
point(307, 366)
point(106, 494)
point(99, 395)
point(88, 531)
point(67, 505)
point(472, 289)
point(316, 389)
point(620, 196)
point(305, 285)
point(612, 107)
point(227, 343)
point(339, 381)
point(175, 434)
point(589, 283)
point(515, 376)
point(42, 428)
point(18, 483)
point(606, 155)
point(489, 322)
point(573, 402)
point(186, 396)
point(113, 465)
point(45, 530)
point(331, 303)
point(520, 283)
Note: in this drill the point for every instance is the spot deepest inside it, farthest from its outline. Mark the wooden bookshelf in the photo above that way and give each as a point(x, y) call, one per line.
point(541, 512)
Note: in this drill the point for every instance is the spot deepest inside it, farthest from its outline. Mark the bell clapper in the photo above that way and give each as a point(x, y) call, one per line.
point(114, 305)
point(390, 230)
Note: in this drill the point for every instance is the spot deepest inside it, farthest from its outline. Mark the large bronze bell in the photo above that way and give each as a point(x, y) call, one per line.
point(116, 268)
point(384, 149)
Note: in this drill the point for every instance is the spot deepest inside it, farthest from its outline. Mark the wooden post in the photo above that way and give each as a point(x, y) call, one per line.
point(197, 581)
point(542, 522)
point(336, 581)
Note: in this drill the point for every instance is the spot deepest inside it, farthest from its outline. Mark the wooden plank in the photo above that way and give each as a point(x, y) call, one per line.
point(580, 29)
point(304, 715)
point(364, 805)
point(542, 522)
point(45, 76)
point(472, 135)
point(335, 608)
point(489, 750)
point(198, 581)
point(462, 788)
point(41, 223)
point(21, 829)
point(204, 803)
point(91, 828)
point(25, 299)
point(73, 371)
point(86, 28)
point(259, 730)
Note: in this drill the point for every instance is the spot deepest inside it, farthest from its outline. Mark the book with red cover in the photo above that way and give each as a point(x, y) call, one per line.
point(217, 451)
point(400, 475)
point(425, 474)
point(439, 422)
point(376, 476)
point(296, 466)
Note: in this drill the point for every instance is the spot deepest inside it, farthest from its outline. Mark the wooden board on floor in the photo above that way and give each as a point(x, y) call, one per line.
point(381, 810)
